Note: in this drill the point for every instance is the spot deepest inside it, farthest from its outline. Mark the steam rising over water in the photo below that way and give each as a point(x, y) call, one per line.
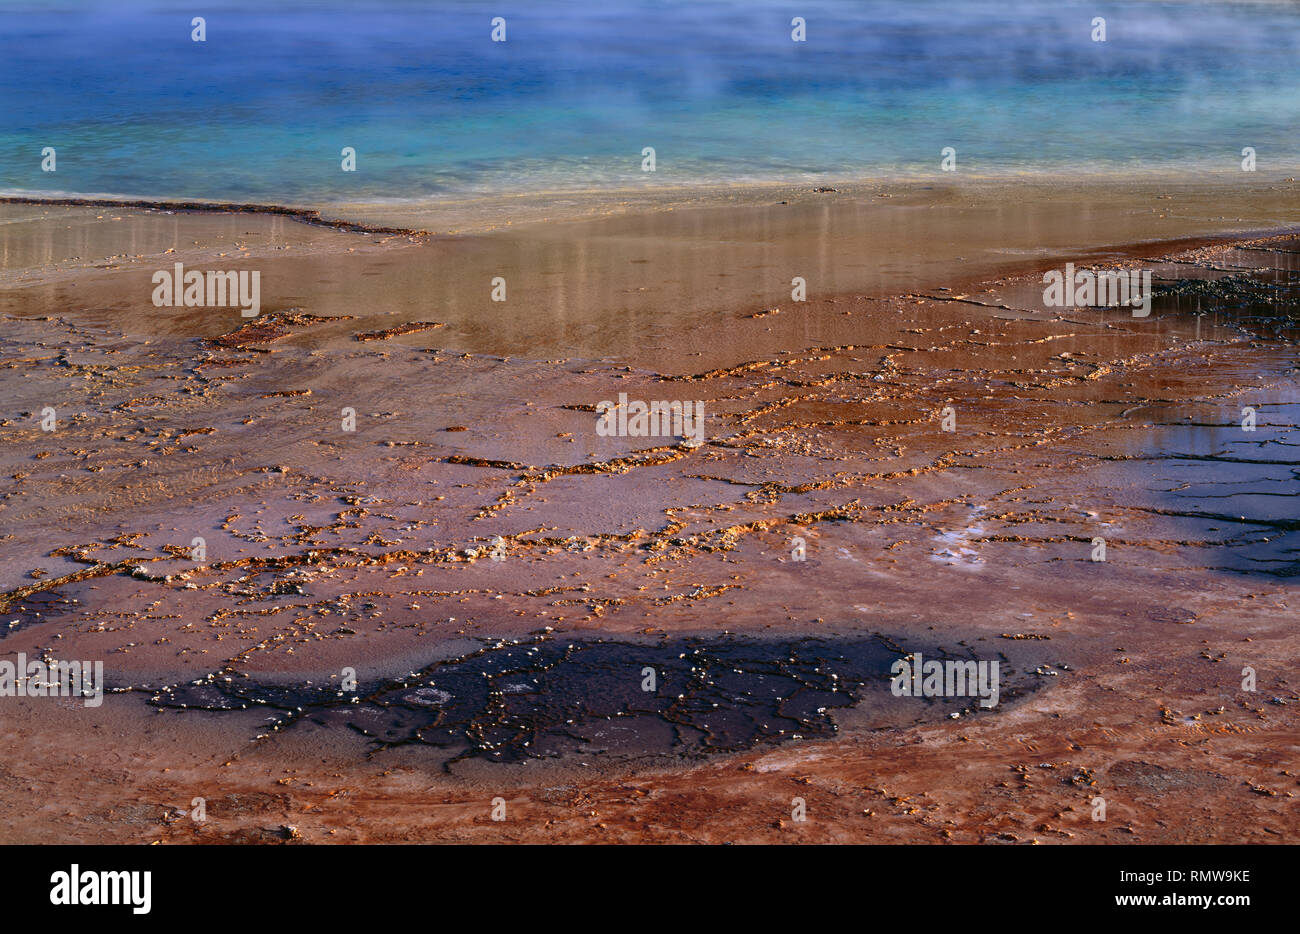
point(261, 110)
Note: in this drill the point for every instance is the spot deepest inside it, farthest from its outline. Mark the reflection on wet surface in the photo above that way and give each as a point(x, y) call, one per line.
point(1238, 489)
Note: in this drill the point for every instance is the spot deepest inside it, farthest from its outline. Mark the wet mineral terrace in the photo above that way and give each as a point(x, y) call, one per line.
point(498, 575)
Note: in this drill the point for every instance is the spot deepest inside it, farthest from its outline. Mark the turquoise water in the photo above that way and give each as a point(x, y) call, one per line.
point(262, 109)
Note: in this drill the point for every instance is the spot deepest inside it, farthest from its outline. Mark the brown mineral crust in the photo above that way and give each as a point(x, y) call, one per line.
point(413, 327)
point(326, 549)
point(263, 330)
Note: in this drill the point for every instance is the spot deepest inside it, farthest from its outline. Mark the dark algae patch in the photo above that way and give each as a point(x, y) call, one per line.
point(551, 698)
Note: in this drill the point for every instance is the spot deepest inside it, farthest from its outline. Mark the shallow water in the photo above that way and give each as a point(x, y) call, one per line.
point(550, 698)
